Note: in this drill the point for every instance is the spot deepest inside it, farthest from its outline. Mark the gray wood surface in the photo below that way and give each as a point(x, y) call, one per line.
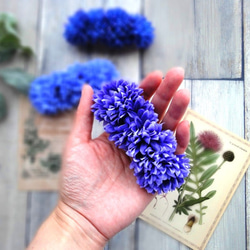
point(204, 36)
point(246, 20)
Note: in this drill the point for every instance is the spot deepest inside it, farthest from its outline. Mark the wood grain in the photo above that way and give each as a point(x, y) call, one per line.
point(246, 20)
point(13, 202)
point(223, 103)
point(202, 36)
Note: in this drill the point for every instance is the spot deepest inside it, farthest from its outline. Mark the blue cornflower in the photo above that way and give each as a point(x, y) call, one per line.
point(133, 126)
point(114, 28)
point(61, 91)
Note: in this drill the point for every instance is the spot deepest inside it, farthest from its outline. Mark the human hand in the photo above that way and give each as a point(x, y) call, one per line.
point(98, 191)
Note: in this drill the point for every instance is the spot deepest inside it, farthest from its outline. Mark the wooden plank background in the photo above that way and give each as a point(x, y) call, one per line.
point(211, 39)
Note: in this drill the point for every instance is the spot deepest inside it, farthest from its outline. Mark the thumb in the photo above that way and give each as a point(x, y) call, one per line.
point(84, 117)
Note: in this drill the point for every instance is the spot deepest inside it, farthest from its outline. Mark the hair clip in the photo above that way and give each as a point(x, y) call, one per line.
point(133, 126)
point(61, 91)
point(114, 28)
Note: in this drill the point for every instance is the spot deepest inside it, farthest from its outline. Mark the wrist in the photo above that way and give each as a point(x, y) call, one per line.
point(67, 229)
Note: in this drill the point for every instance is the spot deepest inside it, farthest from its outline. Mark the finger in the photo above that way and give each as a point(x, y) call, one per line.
point(182, 137)
point(150, 83)
point(166, 90)
point(84, 116)
point(176, 109)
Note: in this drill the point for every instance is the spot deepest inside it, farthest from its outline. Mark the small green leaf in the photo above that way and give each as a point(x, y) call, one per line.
point(210, 194)
point(209, 160)
point(188, 197)
point(188, 151)
point(184, 211)
point(17, 78)
point(206, 184)
point(192, 131)
point(8, 24)
point(204, 207)
point(53, 162)
point(193, 202)
point(10, 42)
point(26, 51)
point(3, 107)
point(189, 188)
point(208, 173)
point(206, 153)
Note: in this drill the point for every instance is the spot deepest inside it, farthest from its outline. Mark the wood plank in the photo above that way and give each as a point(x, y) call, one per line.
point(246, 15)
point(202, 36)
point(13, 202)
point(223, 103)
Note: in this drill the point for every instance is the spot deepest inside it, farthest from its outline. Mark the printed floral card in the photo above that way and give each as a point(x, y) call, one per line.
point(191, 213)
point(41, 143)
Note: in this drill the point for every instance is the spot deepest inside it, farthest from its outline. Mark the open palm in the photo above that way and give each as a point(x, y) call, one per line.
point(96, 180)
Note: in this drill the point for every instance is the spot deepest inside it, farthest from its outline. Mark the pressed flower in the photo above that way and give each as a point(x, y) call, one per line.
point(210, 140)
point(61, 91)
point(114, 28)
point(133, 126)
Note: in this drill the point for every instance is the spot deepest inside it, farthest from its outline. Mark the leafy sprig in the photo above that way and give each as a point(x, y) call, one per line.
point(203, 167)
point(10, 42)
point(10, 45)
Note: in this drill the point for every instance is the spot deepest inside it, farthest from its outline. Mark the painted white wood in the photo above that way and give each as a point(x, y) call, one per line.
point(203, 36)
point(13, 202)
point(246, 20)
point(216, 53)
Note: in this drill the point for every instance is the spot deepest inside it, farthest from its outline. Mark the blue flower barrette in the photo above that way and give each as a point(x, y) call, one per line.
point(114, 28)
point(61, 91)
point(133, 126)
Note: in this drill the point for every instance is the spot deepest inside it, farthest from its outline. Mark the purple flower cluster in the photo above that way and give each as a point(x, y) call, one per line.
point(114, 28)
point(61, 91)
point(133, 126)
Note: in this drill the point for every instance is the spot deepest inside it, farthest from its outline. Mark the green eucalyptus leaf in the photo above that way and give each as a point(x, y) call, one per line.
point(8, 47)
point(6, 55)
point(8, 24)
point(26, 51)
point(10, 42)
point(208, 173)
point(210, 194)
point(17, 78)
point(206, 184)
point(3, 107)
